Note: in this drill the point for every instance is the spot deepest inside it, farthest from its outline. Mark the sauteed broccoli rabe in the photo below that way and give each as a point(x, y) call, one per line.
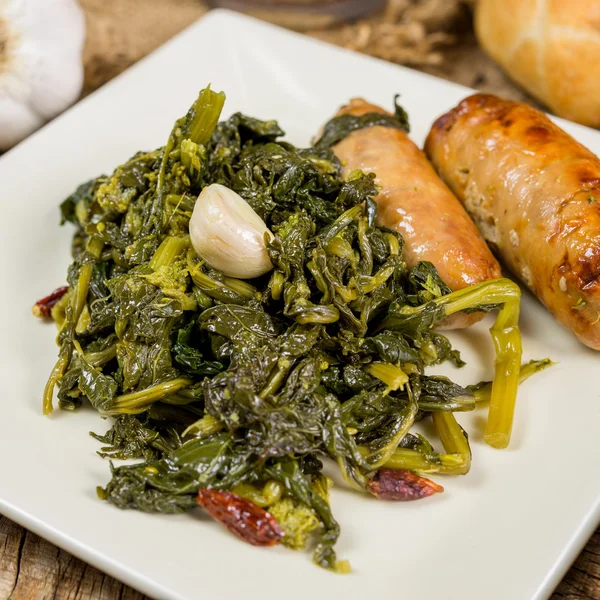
point(232, 391)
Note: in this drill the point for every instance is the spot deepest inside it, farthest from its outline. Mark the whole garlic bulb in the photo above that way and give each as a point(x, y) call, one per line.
point(227, 233)
point(41, 68)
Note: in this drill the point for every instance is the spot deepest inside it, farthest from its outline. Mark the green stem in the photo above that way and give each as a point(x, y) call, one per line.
point(341, 248)
point(206, 112)
point(277, 281)
point(453, 438)
point(505, 335)
point(393, 243)
point(170, 248)
point(366, 252)
point(325, 313)
point(368, 284)
point(198, 125)
point(320, 281)
point(204, 427)
point(230, 290)
point(137, 402)
point(451, 434)
point(64, 357)
point(271, 492)
point(413, 460)
point(97, 359)
point(507, 341)
point(77, 301)
point(393, 376)
point(340, 224)
point(482, 391)
point(240, 287)
point(280, 372)
point(378, 456)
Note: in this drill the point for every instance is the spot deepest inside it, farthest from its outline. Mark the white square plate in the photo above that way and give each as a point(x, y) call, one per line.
point(508, 530)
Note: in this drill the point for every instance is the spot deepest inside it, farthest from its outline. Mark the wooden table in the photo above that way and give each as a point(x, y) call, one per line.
point(119, 33)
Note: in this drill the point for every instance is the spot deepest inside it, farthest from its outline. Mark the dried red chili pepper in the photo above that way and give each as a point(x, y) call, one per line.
point(396, 484)
point(43, 307)
point(241, 516)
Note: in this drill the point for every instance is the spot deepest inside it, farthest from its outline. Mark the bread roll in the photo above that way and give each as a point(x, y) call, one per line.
point(550, 47)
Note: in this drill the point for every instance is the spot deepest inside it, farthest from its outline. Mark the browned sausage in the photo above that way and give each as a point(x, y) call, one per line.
point(535, 194)
point(414, 201)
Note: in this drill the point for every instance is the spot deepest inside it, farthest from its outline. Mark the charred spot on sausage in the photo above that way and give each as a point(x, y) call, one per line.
point(588, 269)
point(538, 133)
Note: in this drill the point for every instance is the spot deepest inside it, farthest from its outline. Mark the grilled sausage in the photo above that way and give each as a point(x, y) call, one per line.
point(415, 202)
point(534, 192)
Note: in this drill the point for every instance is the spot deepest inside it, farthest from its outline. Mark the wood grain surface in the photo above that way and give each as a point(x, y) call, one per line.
point(120, 32)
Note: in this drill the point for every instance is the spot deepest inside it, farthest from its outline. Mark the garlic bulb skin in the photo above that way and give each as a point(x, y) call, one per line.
point(227, 233)
point(41, 67)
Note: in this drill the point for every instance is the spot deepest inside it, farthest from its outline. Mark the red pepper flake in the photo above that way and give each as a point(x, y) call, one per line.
point(397, 484)
point(241, 516)
point(42, 308)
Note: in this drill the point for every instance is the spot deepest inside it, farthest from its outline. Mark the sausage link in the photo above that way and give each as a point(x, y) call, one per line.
point(415, 202)
point(534, 192)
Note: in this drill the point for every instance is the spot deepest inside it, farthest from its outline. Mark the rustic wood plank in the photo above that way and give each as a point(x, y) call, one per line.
point(33, 569)
point(583, 580)
point(120, 32)
point(12, 538)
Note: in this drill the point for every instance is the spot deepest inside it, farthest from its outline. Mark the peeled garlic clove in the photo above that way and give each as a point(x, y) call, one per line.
point(227, 233)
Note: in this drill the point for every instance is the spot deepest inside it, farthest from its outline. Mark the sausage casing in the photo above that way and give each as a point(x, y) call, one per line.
point(534, 192)
point(415, 202)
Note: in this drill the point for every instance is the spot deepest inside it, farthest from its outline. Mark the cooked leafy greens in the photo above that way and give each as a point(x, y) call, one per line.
point(246, 386)
point(341, 126)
